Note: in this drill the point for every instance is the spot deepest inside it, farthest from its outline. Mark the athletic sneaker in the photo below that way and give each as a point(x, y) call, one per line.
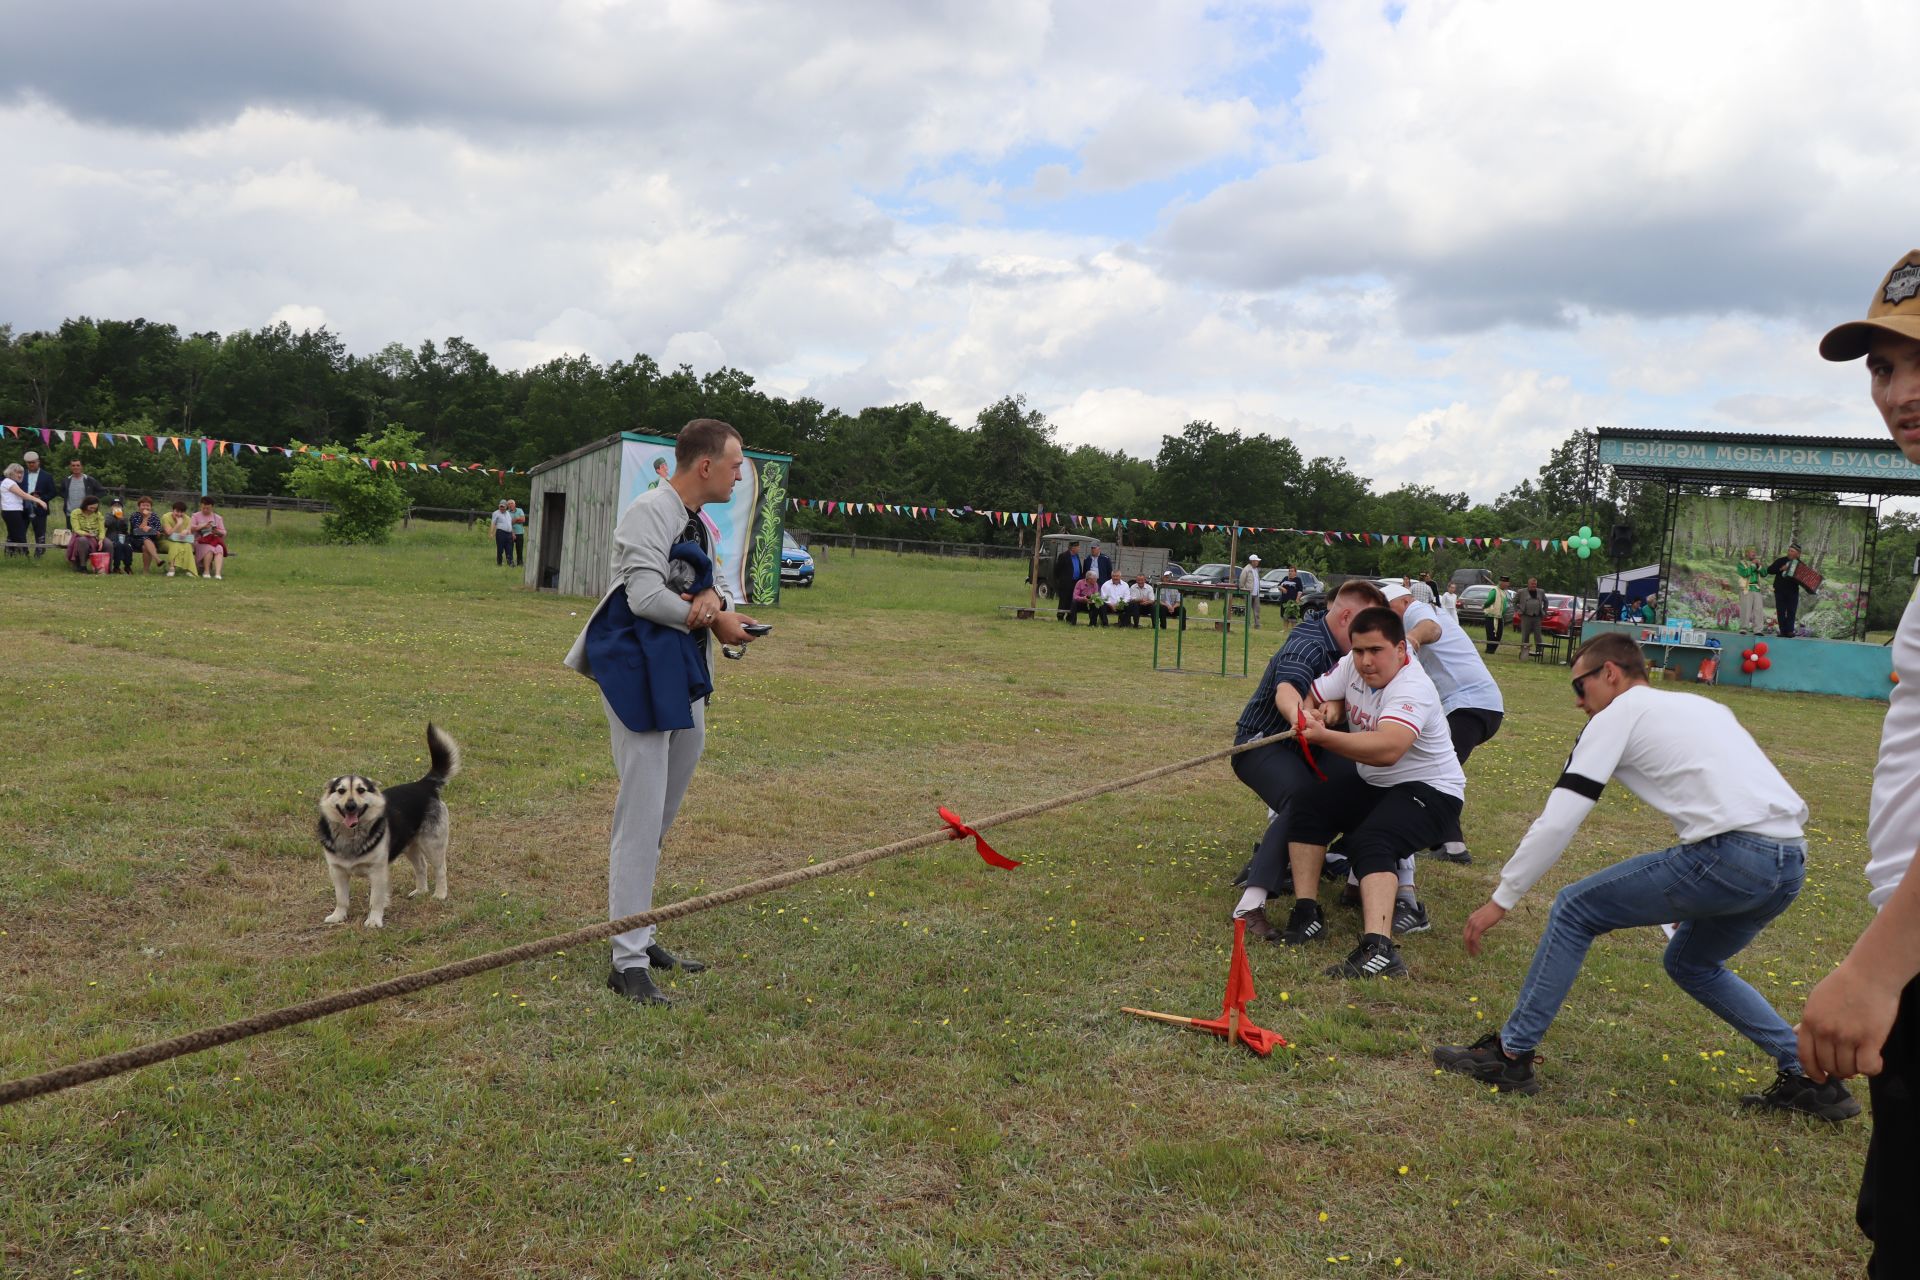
point(1350, 896)
point(1447, 853)
point(1486, 1061)
point(1305, 924)
point(1409, 917)
point(1791, 1091)
point(1375, 957)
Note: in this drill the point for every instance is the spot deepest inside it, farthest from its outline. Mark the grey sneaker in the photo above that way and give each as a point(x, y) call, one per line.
point(1486, 1061)
point(1791, 1091)
point(1410, 917)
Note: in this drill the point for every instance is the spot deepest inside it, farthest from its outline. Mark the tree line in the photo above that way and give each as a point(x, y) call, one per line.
point(277, 386)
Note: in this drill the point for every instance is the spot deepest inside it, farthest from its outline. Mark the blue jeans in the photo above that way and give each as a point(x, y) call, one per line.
point(1722, 891)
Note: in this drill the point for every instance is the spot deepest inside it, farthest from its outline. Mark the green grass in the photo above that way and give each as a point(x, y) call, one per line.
point(919, 1069)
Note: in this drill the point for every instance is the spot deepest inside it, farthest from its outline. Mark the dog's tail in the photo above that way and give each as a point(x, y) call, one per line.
point(446, 756)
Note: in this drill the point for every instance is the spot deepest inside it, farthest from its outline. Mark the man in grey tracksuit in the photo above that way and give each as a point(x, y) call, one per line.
point(655, 767)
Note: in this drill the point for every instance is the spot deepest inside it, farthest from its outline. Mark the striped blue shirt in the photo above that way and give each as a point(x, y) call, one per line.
point(1308, 654)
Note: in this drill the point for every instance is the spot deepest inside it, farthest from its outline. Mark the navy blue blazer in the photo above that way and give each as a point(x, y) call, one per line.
point(651, 675)
point(1102, 563)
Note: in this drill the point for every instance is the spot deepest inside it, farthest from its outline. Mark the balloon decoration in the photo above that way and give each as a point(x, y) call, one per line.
point(1755, 659)
point(1583, 543)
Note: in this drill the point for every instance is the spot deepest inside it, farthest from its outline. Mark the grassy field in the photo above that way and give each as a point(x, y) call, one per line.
point(919, 1069)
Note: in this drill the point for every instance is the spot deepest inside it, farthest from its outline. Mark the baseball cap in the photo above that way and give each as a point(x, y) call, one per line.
point(1253, 559)
point(1895, 309)
point(29, 456)
point(1395, 592)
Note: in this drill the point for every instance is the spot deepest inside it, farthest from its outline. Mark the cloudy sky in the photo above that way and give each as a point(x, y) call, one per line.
point(1432, 237)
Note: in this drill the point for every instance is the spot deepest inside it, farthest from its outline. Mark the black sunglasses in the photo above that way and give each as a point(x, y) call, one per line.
point(1580, 681)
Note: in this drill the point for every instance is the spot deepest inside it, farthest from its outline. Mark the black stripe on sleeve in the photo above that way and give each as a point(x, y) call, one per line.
point(1581, 786)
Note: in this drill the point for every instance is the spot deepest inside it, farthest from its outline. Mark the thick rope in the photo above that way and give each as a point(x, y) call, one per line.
point(146, 1055)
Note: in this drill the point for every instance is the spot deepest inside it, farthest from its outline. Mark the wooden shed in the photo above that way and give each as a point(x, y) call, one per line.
point(577, 499)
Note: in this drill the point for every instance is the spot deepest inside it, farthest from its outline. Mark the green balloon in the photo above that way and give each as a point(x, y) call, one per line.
point(1585, 551)
point(1586, 531)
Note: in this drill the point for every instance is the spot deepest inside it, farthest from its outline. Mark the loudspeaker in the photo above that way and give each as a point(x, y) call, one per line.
point(1620, 541)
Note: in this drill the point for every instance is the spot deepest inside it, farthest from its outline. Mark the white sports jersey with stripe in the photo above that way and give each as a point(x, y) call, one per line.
point(1409, 699)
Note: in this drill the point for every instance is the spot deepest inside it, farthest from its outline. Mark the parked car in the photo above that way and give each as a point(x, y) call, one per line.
point(796, 562)
point(1209, 575)
point(1270, 581)
point(1473, 604)
point(1173, 569)
point(1564, 613)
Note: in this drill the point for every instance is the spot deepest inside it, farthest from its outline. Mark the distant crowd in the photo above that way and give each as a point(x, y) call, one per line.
point(106, 540)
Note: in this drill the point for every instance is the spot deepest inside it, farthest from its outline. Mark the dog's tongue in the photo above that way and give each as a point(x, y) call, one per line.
point(351, 819)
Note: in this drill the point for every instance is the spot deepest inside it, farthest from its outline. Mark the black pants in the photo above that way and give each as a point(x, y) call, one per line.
point(1470, 726)
point(1888, 1188)
point(37, 517)
point(122, 556)
point(1279, 775)
point(1496, 627)
point(502, 548)
point(1787, 605)
point(16, 532)
point(1382, 824)
point(519, 548)
point(1162, 614)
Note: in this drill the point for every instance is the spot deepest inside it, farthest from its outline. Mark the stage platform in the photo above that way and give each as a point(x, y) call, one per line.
point(1802, 665)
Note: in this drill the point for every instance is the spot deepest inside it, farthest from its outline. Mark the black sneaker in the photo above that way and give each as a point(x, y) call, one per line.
point(1488, 1063)
point(1306, 923)
point(1460, 855)
point(637, 986)
point(1350, 895)
point(1375, 957)
point(1409, 917)
point(1791, 1091)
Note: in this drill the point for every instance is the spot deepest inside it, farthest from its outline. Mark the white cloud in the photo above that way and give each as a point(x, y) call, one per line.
point(1469, 231)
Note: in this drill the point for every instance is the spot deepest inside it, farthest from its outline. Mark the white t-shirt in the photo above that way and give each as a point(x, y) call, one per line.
point(1453, 662)
point(1685, 755)
point(12, 496)
point(1114, 593)
point(503, 520)
point(1893, 814)
point(1450, 604)
point(1409, 699)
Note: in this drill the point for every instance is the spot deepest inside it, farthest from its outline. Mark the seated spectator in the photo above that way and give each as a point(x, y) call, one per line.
point(1406, 791)
point(179, 527)
point(1140, 599)
point(1171, 604)
point(119, 540)
point(14, 504)
point(1086, 599)
point(1114, 598)
point(148, 535)
point(209, 540)
point(89, 534)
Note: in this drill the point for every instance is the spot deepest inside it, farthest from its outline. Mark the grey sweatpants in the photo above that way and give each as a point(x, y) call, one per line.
point(654, 770)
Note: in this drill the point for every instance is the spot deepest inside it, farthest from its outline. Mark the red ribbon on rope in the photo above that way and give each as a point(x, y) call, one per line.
point(1300, 736)
point(961, 830)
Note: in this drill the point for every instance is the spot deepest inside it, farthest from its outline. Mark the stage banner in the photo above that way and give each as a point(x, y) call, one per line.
point(1712, 536)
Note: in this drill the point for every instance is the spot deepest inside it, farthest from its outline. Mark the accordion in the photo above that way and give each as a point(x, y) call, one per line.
point(1806, 575)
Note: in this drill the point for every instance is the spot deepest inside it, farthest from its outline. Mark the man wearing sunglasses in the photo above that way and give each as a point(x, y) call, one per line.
point(1740, 861)
point(1864, 1017)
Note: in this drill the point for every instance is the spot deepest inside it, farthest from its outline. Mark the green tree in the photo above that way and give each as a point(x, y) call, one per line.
point(367, 500)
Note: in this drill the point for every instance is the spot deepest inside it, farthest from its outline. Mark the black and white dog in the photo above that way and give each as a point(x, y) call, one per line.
point(364, 829)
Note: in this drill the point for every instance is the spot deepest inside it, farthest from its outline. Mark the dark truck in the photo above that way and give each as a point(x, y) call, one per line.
point(1130, 561)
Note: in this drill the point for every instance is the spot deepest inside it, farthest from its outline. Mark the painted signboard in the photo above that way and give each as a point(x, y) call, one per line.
point(745, 530)
point(1780, 462)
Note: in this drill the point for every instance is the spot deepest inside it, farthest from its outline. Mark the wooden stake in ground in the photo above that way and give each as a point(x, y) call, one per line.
point(1233, 1026)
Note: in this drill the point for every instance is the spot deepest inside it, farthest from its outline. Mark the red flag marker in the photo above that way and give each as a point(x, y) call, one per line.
point(961, 830)
point(1233, 1025)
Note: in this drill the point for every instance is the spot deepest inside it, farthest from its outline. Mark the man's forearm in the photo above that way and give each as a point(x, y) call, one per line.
point(1371, 747)
point(1891, 944)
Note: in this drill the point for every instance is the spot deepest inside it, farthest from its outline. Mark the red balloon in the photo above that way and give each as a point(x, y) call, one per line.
point(1761, 647)
point(1748, 666)
point(1765, 662)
